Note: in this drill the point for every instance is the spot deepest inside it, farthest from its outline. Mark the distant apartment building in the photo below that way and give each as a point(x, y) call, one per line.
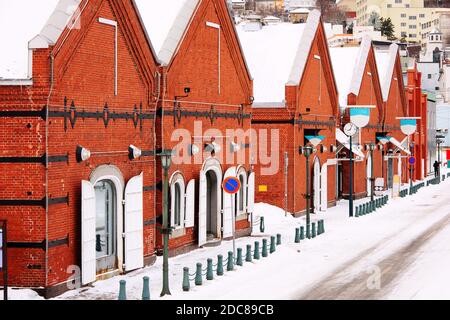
point(266, 6)
point(439, 19)
point(407, 16)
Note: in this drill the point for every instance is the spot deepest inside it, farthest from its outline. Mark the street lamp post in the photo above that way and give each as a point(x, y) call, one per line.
point(166, 161)
point(350, 199)
point(411, 170)
point(307, 151)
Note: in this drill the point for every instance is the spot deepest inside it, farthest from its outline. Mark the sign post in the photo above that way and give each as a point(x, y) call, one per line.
point(412, 161)
point(3, 259)
point(231, 186)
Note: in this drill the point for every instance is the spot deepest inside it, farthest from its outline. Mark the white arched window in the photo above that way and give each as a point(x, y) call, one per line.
point(241, 196)
point(177, 190)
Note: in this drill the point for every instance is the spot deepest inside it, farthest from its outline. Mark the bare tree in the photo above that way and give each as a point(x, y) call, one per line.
point(330, 12)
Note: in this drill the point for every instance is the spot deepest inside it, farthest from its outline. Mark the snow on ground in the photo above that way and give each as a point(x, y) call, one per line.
point(349, 247)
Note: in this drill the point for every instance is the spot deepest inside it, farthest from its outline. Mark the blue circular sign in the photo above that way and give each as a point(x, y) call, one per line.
point(412, 160)
point(231, 185)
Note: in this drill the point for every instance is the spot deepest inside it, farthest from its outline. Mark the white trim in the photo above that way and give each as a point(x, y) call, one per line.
point(113, 23)
point(213, 25)
point(217, 26)
point(177, 178)
point(360, 66)
point(16, 82)
point(386, 86)
point(305, 44)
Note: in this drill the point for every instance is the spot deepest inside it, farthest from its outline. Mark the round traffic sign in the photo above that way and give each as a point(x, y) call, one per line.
point(231, 185)
point(412, 160)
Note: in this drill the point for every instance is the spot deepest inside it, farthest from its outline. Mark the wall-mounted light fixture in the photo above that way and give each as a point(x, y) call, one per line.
point(212, 147)
point(235, 147)
point(134, 152)
point(193, 149)
point(82, 154)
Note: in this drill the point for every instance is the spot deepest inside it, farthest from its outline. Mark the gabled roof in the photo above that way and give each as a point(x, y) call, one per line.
point(27, 25)
point(348, 68)
point(277, 56)
point(385, 65)
point(166, 22)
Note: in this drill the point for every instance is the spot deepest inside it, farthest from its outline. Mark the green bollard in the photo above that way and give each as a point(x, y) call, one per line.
point(198, 275)
point(357, 211)
point(264, 248)
point(273, 245)
point(278, 239)
point(230, 263)
point(313, 232)
point(364, 208)
point(186, 283)
point(323, 226)
point(239, 261)
point(256, 254)
point(122, 290)
point(319, 228)
point(220, 265)
point(209, 270)
point(248, 255)
point(262, 227)
point(146, 289)
point(302, 233)
point(308, 231)
point(297, 235)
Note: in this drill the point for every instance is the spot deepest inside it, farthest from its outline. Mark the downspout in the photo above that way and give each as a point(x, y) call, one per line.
point(52, 61)
point(158, 100)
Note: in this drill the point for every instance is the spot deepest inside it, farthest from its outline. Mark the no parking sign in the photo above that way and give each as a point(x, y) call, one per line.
point(231, 185)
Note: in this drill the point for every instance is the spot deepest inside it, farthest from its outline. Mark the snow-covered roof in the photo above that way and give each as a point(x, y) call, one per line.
point(277, 56)
point(28, 25)
point(348, 68)
point(271, 18)
point(385, 65)
point(166, 22)
point(300, 10)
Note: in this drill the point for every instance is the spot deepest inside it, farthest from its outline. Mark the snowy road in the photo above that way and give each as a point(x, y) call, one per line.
point(386, 274)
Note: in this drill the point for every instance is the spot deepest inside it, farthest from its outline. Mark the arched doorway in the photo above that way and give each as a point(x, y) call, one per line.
point(211, 205)
point(316, 184)
point(210, 201)
point(105, 226)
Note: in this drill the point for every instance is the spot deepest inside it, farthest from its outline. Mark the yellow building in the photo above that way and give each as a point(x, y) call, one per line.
point(407, 16)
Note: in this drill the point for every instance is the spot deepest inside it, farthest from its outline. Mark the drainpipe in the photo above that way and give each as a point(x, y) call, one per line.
point(52, 62)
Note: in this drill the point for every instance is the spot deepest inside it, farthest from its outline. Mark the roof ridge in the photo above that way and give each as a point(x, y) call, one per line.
point(304, 47)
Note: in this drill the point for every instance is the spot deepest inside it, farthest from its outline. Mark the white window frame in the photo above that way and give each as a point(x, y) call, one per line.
point(242, 172)
point(177, 179)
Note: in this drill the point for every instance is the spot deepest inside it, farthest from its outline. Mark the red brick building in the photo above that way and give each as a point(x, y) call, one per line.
point(395, 152)
point(205, 106)
point(360, 87)
point(417, 107)
point(294, 98)
point(92, 86)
